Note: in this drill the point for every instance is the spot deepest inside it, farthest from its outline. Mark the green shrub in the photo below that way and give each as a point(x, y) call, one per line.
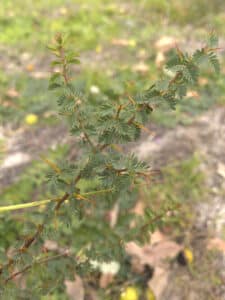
point(104, 177)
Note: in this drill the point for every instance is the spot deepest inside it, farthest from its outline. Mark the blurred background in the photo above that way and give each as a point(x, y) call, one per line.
point(121, 43)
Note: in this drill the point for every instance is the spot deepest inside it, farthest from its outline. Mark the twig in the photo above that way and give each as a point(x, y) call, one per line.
point(40, 261)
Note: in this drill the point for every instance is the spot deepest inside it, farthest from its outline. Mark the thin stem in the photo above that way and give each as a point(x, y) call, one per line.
point(86, 135)
point(64, 66)
point(32, 239)
point(118, 111)
point(40, 261)
point(64, 198)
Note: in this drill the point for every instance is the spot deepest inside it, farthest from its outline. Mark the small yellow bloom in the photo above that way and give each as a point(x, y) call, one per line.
point(130, 293)
point(132, 43)
point(150, 295)
point(31, 119)
point(63, 11)
point(30, 67)
point(188, 255)
point(98, 49)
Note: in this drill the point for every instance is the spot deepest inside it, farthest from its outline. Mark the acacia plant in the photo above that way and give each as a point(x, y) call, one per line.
point(104, 177)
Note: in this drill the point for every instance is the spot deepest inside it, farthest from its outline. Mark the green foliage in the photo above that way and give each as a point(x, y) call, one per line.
point(182, 186)
point(103, 178)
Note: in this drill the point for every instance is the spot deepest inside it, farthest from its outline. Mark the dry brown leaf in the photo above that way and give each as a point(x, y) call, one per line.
point(159, 282)
point(120, 42)
point(142, 53)
point(216, 243)
point(165, 43)
point(113, 215)
point(221, 169)
point(203, 81)
point(40, 74)
point(12, 93)
point(160, 59)
point(105, 280)
point(124, 42)
point(8, 104)
point(192, 94)
point(25, 56)
point(157, 237)
point(141, 67)
point(63, 11)
point(91, 294)
point(75, 289)
point(154, 255)
point(51, 245)
point(15, 159)
point(139, 208)
point(19, 280)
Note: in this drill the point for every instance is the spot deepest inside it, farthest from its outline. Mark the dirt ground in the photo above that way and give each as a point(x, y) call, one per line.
point(206, 137)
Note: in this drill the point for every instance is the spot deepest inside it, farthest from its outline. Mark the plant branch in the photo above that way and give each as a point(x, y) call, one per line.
point(39, 261)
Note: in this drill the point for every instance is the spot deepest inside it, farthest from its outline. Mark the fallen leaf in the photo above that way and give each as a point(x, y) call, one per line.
point(63, 11)
point(159, 281)
point(221, 169)
point(139, 208)
point(40, 74)
point(160, 59)
point(216, 243)
point(51, 245)
point(122, 10)
point(15, 159)
point(120, 42)
point(91, 294)
point(94, 89)
point(25, 56)
point(156, 254)
point(11, 14)
point(113, 215)
point(105, 280)
point(165, 43)
point(157, 237)
point(124, 42)
point(8, 104)
point(203, 81)
point(142, 53)
point(141, 67)
point(192, 94)
point(12, 93)
point(75, 289)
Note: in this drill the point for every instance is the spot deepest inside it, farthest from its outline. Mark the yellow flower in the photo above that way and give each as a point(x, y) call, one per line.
point(132, 43)
point(188, 255)
point(31, 119)
point(98, 49)
point(130, 293)
point(30, 67)
point(63, 11)
point(150, 295)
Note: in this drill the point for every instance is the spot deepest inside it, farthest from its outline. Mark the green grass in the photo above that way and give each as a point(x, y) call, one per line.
point(30, 187)
point(2, 149)
point(32, 180)
point(182, 184)
point(27, 27)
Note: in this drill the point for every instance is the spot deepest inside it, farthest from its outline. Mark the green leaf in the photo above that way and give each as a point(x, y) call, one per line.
point(53, 86)
point(56, 63)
